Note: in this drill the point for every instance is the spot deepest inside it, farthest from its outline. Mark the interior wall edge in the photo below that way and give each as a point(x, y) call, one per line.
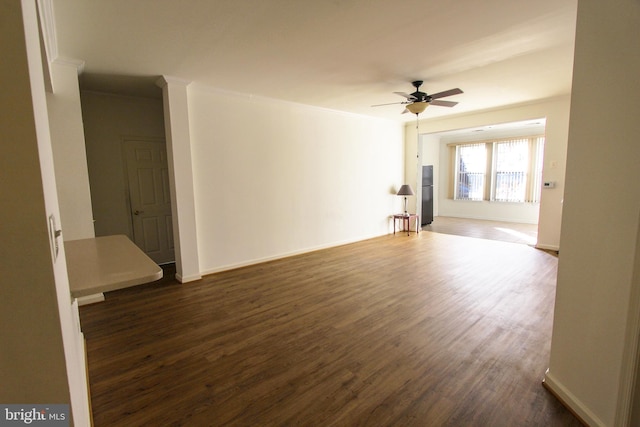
point(570, 401)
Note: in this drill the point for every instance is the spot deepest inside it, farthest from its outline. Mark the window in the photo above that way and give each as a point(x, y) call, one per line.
point(471, 169)
point(502, 171)
point(510, 170)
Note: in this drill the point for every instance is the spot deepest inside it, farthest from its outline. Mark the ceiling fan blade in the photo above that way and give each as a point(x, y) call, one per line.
point(406, 95)
point(449, 92)
point(443, 103)
point(391, 103)
point(405, 111)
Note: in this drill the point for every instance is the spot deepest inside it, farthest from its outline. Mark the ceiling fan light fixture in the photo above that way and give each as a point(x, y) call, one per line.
point(417, 107)
point(417, 101)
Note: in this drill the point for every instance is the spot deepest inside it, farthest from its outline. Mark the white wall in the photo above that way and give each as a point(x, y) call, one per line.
point(633, 359)
point(595, 332)
point(274, 178)
point(32, 360)
point(42, 358)
point(556, 112)
point(307, 178)
point(69, 154)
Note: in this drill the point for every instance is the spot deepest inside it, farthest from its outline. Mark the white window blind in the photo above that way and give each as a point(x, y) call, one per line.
point(471, 170)
point(535, 183)
point(511, 163)
point(508, 170)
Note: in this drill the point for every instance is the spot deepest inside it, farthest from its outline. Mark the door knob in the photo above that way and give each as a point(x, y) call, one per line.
point(137, 212)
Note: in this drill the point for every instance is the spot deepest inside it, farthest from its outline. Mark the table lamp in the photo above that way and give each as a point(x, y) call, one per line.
point(405, 191)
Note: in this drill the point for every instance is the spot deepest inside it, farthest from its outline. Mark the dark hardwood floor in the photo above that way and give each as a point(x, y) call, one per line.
point(420, 330)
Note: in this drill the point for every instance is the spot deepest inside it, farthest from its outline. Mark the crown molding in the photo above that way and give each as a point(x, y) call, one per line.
point(167, 80)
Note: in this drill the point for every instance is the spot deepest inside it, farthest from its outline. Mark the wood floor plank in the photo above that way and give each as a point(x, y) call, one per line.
point(419, 330)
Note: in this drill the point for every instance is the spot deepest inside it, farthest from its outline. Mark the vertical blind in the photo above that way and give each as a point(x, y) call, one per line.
point(535, 184)
point(510, 170)
point(471, 170)
point(507, 170)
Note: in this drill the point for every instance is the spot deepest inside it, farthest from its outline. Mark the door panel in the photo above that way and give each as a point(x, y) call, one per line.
point(151, 234)
point(148, 179)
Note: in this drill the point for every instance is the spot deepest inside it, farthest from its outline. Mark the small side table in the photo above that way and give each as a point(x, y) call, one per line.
point(406, 222)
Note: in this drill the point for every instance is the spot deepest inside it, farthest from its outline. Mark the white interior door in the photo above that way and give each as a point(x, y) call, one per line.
point(148, 179)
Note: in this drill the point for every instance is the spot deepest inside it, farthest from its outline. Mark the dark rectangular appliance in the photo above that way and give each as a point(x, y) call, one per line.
point(427, 195)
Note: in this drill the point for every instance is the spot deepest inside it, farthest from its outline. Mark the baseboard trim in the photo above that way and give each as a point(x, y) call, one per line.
point(186, 279)
point(90, 299)
point(255, 261)
point(548, 247)
point(571, 402)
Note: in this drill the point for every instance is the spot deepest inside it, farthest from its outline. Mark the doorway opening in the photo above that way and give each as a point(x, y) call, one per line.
point(485, 217)
point(121, 128)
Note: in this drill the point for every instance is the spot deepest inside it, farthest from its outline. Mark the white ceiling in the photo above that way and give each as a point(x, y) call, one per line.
point(339, 54)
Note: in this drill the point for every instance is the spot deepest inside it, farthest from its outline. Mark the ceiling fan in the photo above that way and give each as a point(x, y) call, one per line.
point(418, 101)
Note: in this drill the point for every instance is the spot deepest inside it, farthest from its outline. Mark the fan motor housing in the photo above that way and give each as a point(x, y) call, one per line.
point(421, 97)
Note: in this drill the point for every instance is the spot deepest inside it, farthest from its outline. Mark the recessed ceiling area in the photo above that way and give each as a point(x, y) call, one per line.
point(499, 130)
point(343, 55)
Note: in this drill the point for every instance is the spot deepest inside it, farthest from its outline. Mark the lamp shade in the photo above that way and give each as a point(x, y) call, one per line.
point(405, 190)
point(417, 107)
